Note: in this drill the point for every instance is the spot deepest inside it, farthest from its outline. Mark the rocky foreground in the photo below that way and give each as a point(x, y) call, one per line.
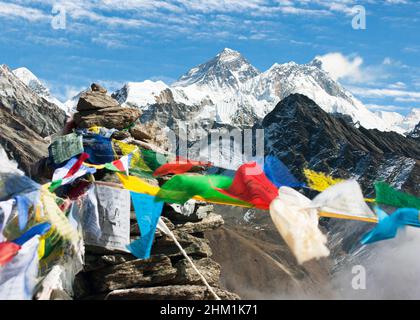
point(167, 274)
point(109, 274)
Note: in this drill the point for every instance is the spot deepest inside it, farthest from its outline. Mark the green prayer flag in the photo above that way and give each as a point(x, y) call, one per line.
point(65, 147)
point(385, 194)
point(153, 159)
point(180, 188)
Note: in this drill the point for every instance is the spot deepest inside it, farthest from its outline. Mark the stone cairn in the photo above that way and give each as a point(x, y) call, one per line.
point(167, 274)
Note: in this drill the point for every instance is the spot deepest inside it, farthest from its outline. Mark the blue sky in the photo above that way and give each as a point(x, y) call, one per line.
point(114, 41)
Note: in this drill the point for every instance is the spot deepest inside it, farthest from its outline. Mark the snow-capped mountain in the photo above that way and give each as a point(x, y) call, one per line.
point(28, 78)
point(231, 91)
point(42, 116)
point(140, 93)
point(398, 122)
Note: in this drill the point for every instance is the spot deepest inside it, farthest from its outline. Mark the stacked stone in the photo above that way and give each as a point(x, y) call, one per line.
point(167, 274)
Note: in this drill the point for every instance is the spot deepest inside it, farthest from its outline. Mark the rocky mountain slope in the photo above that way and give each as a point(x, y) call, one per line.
point(28, 78)
point(302, 135)
point(27, 120)
point(230, 90)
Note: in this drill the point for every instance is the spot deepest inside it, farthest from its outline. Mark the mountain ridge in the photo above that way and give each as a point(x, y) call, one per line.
point(228, 83)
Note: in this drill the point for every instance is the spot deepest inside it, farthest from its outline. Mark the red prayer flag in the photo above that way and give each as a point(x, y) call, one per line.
point(77, 165)
point(250, 184)
point(7, 251)
point(180, 165)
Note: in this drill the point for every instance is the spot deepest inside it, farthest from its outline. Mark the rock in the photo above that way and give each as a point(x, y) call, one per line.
point(211, 222)
point(120, 135)
point(21, 143)
point(57, 294)
point(139, 132)
point(195, 247)
point(191, 211)
point(96, 100)
point(187, 275)
point(154, 271)
point(94, 262)
point(98, 88)
point(26, 107)
point(114, 117)
point(301, 134)
point(176, 292)
point(81, 286)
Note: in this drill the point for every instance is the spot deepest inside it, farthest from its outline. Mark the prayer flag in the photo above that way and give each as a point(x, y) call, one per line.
point(297, 223)
point(18, 278)
point(385, 194)
point(148, 211)
point(279, 174)
point(251, 185)
point(388, 225)
point(71, 171)
point(7, 251)
point(120, 165)
point(180, 165)
point(65, 147)
point(344, 200)
point(39, 229)
point(180, 188)
point(319, 181)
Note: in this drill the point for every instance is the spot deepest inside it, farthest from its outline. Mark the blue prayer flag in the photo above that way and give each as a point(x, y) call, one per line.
point(23, 205)
point(99, 148)
point(279, 174)
point(388, 225)
point(39, 229)
point(148, 211)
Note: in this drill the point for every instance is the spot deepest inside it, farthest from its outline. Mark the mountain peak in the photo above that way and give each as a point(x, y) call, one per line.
point(316, 63)
point(24, 73)
point(227, 55)
point(226, 70)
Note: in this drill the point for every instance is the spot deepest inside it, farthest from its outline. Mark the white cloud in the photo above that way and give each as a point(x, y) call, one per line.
point(399, 95)
point(398, 85)
point(389, 108)
point(342, 67)
point(10, 10)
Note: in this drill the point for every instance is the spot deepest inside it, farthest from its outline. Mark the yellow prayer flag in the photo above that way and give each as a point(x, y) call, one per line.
point(136, 160)
point(319, 181)
point(138, 185)
point(95, 129)
point(55, 216)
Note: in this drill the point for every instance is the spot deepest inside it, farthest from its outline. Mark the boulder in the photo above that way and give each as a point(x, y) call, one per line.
point(193, 246)
point(120, 135)
point(114, 117)
point(187, 275)
point(98, 88)
point(96, 100)
point(157, 270)
point(176, 292)
point(21, 143)
point(95, 262)
point(140, 132)
point(210, 222)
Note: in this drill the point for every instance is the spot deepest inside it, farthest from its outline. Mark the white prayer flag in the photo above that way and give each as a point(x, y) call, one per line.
point(344, 198)
point(298, 225)
point(18, 278)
